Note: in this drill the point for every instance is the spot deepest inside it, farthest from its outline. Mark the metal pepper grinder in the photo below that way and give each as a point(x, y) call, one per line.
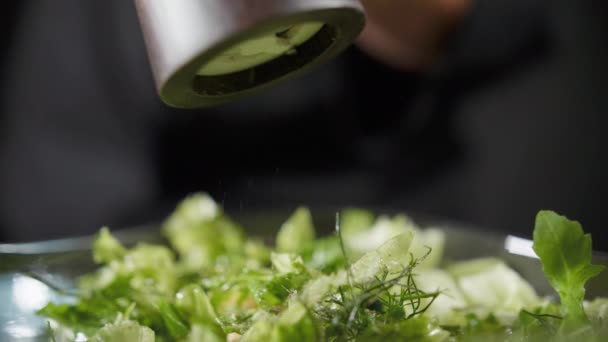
point(208, 52)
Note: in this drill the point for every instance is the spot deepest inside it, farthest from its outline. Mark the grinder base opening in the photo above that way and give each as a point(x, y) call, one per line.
point(260, 49)
point(215, 80)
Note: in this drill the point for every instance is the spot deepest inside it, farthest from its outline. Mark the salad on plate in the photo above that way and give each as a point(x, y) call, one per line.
point(378, 278)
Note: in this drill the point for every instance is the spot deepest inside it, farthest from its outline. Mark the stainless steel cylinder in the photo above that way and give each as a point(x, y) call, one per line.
point(208, 52)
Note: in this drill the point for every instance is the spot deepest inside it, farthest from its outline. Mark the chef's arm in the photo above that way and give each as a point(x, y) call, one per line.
point(409, 34)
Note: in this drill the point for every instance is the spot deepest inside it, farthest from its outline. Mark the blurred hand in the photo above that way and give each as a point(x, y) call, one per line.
point(409, 34)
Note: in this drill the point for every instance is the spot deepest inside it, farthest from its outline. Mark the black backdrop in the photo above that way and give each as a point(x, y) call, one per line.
point(510, 121)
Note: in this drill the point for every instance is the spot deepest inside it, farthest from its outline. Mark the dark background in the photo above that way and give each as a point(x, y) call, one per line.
point(511, 120)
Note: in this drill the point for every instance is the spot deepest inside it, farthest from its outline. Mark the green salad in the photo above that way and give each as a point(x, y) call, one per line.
point(378, 278)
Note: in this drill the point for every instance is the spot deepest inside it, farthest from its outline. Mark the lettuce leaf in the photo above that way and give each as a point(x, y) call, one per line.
point(106, 247)
point(200, 332)
point(393, 255)
point(297, 234)
point(418, 329)
point(194, 304)
point(493, 287)
point(565, 252)
point(450, 301)
point(295, 324)
point(260, 331)
point(200, 232)
point(359, 242)
point(174, 322)
point(127, 331)
point(354, 220)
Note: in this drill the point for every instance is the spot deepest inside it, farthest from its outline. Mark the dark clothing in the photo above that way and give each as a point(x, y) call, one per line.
point(509, 122)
